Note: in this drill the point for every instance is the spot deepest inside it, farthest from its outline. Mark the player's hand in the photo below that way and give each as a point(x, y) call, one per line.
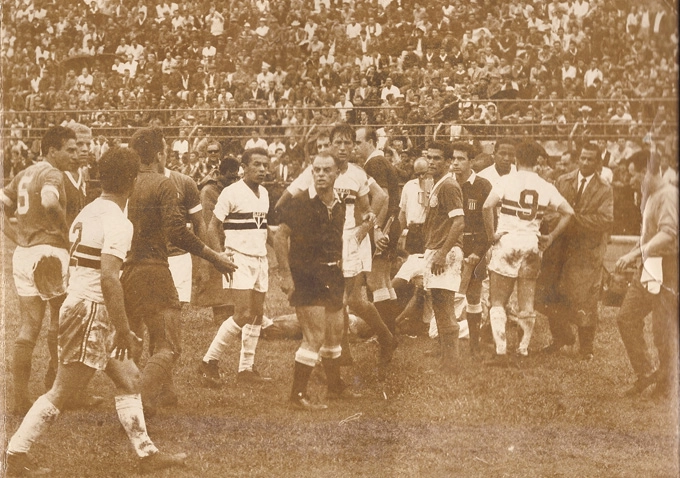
point(381, 240)
point(369, 217)
point(126, 346)
point(625, 262)
point(287, 285)
point(224, 264)
point(496, 237)
point(472, 259)
point(438, 263)
point(544, 241)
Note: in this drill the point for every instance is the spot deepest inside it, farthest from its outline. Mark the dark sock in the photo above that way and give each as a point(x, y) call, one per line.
point(334, 380)
point(387, 311)
point(301, 374)
point(586, 337)
point(21, 369)
point(156, 375)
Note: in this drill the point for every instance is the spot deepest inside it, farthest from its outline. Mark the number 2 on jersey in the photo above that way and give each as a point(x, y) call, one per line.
point(77, 228)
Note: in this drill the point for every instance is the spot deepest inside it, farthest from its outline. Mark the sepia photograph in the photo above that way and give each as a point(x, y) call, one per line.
point(343, 238)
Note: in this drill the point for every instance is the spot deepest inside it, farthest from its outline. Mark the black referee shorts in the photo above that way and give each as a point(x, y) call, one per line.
point(318, 285)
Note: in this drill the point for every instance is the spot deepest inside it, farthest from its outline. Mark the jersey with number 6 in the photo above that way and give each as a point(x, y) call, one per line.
point(100, 228)
point(34, 225)
point(525, 197)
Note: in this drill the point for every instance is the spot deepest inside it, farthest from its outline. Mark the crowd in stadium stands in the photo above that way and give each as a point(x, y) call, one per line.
point(279, 72)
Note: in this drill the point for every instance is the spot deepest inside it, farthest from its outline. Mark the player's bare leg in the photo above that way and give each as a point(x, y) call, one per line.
point(526, 289)
point(32, 313)
point(52, 340)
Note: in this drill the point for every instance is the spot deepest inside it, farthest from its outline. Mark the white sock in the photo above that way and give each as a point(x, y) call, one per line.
point(329, 352)
point(227, 331)
point(131, 416)
point(37, 420)
point(250, 335)
point(497, 318)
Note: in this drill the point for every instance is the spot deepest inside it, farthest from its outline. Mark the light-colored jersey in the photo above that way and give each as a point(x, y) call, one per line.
point(349, 185)
point(490, 173)
point(24, 194)
point(244, 218)
point(525, 197)
point(100, 228)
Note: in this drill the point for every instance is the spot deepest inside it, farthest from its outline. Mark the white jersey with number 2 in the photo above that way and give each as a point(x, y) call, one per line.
point(524, 199)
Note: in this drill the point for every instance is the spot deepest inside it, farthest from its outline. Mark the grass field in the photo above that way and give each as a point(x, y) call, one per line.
point(548, 417)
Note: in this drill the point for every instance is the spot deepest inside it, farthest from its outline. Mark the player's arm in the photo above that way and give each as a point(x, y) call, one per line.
point(49, 199)
point(492, 201)
point(456, 229)
point(301, 183)
point(566, 212)
point(281, 248)
point(215, 234)
point(112, 291)
point(363, 209)
point(8, 208)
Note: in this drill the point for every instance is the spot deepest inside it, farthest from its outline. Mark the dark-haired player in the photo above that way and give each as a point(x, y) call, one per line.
point(150, 294)
point(93, 324)
point(524, 197)
point(239, 225)
point(40, 263)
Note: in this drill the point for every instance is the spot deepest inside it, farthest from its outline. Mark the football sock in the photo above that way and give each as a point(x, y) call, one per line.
point(156, 374)
point(250, 335)
point(21, 369)
point(368, 312)
point(497, 318)
point(388, 311)
point(41, 415)
point(305, 360)
point(131, 416)
point(331, 365)
point(227, 331)
point(474, 320)
point(586, 337)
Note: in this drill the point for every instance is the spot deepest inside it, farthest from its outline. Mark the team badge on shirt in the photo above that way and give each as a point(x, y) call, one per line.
point(343, 193)
point(472, 205)
point(260, 218)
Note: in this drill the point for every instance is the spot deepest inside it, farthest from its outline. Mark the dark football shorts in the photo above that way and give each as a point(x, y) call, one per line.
point(318, 285)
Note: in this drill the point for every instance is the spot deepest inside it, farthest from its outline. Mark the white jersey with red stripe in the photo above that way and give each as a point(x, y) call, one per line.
point(100, 228)
point(524, 199)
point(349, 185)
point(244, 218)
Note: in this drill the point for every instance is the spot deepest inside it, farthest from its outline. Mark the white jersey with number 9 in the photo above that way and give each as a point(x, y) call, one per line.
point(524, 199)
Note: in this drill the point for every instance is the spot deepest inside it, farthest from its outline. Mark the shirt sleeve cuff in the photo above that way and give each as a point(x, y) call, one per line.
point(456, 212)
point(49, 188)
point(195, 209)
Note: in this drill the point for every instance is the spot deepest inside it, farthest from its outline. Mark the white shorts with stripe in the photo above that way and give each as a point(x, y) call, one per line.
point(86, 334)
point(180, 268)
point(252, 273)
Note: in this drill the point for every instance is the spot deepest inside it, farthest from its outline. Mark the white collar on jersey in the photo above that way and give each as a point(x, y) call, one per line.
point(75, 183)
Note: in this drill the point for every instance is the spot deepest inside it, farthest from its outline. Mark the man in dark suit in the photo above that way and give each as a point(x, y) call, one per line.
point(568, 286)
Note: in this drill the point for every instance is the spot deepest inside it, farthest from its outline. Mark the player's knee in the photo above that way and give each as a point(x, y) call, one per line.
point(130, 383)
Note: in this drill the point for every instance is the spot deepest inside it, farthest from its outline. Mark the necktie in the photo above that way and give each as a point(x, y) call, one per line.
point(580, 191)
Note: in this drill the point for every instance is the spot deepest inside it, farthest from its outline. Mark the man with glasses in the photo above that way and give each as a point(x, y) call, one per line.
point(214, 151)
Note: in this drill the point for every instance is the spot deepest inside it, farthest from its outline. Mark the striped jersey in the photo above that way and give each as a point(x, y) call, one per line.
point(100, 228)
point(349, 185)
point(244, 218)
point(525, 197)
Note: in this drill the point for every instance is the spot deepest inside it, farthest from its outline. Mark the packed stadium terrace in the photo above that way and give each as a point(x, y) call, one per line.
point(557, 72)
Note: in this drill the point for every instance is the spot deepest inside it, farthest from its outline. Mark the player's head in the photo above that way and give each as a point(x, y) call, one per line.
point(438, 159)
point(323, 142)
point(58, 146)
point(229, 167)
point(504, 155)
point(366, 141)
point(527, 154)
point(150, 145)
point(83, 141)
point(463, 154)
point(325, 170)
point(118, 169)
point(342, 141)
point(589, 159)
point(255, 162)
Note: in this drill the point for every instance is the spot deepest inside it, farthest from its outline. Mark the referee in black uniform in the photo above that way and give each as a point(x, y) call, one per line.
point(311, 275)
point(475, 190)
